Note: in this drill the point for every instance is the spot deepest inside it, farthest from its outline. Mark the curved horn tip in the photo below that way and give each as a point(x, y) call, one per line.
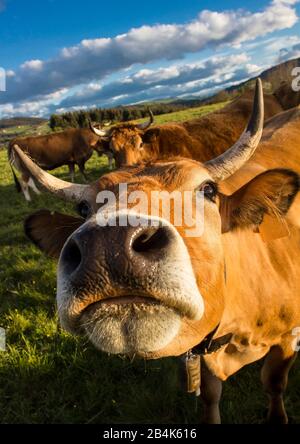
point(146, 125)
point(151, 115)
point(235, 157)
point(257, 117)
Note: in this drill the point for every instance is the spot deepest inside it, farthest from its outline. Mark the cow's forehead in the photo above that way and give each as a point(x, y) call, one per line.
point(174, 174)
point(124, 128)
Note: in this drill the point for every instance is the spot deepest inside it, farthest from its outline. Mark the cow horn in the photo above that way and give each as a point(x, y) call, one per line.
point(235, 157)
point(146, 125)
point(100, 133)
point(61, 188)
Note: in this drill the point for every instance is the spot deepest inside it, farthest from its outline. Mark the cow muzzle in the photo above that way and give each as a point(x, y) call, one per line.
point(128, 288)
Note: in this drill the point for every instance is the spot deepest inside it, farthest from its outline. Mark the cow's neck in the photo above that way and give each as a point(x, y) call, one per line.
point(261, 304)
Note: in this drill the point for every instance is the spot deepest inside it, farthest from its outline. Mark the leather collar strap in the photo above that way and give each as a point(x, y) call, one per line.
point(191, 360)
point(210, 345)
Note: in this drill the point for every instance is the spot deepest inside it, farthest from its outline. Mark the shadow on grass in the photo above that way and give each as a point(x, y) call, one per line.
point(73, 383)
point(67, 381)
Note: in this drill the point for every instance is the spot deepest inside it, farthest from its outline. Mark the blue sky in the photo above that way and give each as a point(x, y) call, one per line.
point(60, 55)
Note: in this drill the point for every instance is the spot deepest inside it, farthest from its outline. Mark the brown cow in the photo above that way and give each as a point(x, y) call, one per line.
point(70, 147)
point(199, 139)
point(151, 290)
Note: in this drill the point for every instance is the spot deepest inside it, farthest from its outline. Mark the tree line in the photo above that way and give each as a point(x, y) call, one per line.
point(81, 118)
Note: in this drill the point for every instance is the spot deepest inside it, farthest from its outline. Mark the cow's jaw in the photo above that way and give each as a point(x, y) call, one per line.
point(141, 317)
point(131, 327)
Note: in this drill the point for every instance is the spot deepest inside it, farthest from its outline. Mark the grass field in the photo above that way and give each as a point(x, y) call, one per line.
point(48, 376)
point(187, 114)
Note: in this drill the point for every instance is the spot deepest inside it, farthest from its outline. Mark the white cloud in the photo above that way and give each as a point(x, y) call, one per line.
point(10, 73)
point(287, 2)
point(28, 108)
point(177, 80)
point(171, 81)
point(287, 46)
point(120, 97)
point(38, 108)
point(92, 60)
point(32, 65)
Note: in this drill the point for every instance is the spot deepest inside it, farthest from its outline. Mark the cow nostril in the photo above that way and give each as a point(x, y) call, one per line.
point(151, 240)
point(71, 257)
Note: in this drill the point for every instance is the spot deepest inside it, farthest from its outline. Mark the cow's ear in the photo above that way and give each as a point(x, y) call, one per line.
point(261, 204)
point(50, 230)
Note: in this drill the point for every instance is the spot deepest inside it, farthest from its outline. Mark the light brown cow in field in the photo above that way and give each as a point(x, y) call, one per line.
point(199, 139)
point(70, 147)
point(150, 290)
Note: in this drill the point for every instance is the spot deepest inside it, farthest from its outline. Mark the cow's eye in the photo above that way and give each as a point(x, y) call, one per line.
point(84, 209)
point(210, 190)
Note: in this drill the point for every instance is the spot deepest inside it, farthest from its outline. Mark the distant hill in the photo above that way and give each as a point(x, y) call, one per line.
point(278, 74)
point(21, 121)
point(276, 80)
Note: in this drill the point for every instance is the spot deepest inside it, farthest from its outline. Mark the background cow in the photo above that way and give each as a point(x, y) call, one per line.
point(70, 147)
point(155, 292)
point(199, 139)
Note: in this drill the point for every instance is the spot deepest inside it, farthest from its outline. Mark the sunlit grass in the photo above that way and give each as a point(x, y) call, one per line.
point(187, 114)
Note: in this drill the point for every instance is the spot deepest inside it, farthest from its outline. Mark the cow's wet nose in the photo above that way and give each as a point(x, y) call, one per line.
point(119, 250)
point(152, 242)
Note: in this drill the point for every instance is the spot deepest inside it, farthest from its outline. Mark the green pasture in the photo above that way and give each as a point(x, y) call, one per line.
point(188, 114)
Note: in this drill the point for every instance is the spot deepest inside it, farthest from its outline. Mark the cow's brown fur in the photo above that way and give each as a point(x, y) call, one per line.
point(200, 139)
point(278, 149)
point(54, 150)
